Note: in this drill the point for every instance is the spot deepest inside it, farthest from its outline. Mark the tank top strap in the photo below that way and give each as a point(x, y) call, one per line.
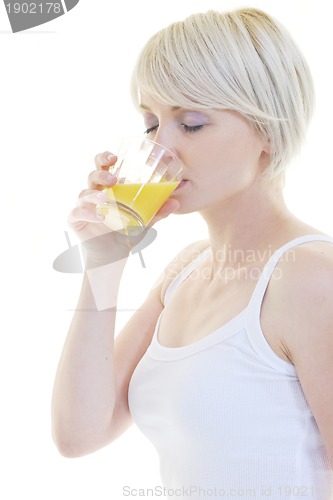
point(185, 273)
point(265, 276)
point(261, 286)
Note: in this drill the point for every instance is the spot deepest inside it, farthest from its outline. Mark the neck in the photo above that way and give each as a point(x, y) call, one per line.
point(252, 222)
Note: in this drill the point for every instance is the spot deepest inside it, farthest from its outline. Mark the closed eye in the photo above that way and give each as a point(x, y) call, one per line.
point(187, 128)
point(191, 128)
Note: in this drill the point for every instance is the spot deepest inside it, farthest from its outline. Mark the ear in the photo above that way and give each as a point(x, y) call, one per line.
point(266, 154)
point(267, 147)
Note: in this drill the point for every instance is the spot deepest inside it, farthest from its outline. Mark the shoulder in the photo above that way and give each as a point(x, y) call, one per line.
point(302, 294)
point(178, 263)
point(306, 273)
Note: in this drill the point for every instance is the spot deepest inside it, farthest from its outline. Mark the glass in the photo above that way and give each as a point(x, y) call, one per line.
point(147, 173)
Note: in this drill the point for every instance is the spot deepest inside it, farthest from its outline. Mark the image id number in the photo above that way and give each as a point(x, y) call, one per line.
point(295, 491)
point(34, 8)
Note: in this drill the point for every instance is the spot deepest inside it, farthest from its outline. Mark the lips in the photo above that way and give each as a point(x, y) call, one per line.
point(182, 183)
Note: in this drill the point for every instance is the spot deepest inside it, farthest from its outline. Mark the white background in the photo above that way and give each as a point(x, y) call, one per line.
point(64, 97)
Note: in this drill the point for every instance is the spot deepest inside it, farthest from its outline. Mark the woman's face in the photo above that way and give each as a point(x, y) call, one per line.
point(221, 152)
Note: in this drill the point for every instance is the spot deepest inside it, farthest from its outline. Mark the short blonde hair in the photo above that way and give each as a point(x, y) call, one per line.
point(242, 60)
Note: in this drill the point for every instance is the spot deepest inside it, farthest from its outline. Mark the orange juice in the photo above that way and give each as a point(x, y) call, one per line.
point(142, 199)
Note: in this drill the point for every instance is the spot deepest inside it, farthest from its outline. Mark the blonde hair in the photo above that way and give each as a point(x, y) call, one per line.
point(242, 60)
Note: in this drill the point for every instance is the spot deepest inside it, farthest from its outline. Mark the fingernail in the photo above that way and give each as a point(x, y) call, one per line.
point(110, 157)
point(109, 177)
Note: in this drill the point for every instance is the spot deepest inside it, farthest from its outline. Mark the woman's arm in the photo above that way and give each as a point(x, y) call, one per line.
point(303, 302)
point(90, 396)
point(89, 404)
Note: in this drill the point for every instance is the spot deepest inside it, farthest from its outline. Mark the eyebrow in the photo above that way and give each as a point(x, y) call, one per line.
point(146, 108)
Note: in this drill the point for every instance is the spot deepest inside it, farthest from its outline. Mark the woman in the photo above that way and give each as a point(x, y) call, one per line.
point(233, 382)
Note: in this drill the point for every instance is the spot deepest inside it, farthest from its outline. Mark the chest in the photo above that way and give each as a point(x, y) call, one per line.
point(200, 305)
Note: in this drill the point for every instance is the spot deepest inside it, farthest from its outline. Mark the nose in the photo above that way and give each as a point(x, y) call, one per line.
point(165, 138)
point(169, 159)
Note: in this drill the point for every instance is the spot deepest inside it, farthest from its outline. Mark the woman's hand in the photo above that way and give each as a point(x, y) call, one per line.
point(101, 244)
point(84, 219)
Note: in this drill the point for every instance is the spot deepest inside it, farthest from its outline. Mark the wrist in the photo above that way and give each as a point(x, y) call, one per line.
point(103, 250)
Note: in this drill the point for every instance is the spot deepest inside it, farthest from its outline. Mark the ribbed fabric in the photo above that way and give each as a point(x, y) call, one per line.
point(227, 416)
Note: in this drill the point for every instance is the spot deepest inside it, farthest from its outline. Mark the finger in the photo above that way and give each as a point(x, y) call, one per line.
point(91, 196)
point(80, 216)
point(97, 179)
point(104, 161)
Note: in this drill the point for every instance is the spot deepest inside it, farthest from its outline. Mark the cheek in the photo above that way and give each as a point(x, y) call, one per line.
point(238, 157)
point(228, 173)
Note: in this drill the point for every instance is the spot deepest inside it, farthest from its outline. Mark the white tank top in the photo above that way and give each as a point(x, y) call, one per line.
point(227, 416)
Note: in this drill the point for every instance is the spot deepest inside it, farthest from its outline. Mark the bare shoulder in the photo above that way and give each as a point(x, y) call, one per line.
point(303, 297)
point(306, 275)
point(179, 262)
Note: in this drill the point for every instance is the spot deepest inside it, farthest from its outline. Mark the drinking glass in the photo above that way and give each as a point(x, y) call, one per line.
point(147, 173)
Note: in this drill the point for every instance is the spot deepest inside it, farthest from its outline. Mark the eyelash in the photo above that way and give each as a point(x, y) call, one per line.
point(151, 129)
point(193, 128)
point(187, 128)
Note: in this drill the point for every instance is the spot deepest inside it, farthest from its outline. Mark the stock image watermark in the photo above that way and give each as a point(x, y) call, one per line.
point(196, 491)
point(232, 264)
point(24, 15)
point(237, 264)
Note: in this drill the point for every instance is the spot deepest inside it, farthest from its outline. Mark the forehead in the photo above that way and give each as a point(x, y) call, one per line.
point(149, 104)
point(147, 101)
